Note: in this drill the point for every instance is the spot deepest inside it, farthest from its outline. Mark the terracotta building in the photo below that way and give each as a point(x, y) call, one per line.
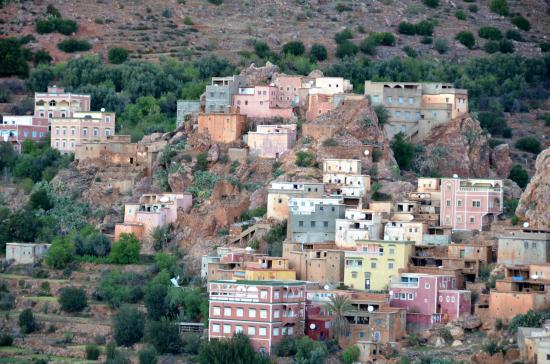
point(279, 194)
point(470, 204)
point(265, 311)
point(260, 102)
point(271, 141)
point(315, 263)
point(69, 132)
point(222, 127)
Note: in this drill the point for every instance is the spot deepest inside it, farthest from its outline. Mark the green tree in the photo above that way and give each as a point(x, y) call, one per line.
point(128, 325)
point(118, 55)
point(262, 49)
point(350, 354)
point(406, 28)
point(318, 52)
point(71, 45)
point(42, 56)
point(164, 336)
point(27, 323)
point(155, 301)
point(61, 253)
point(337, 308)
point(519, 175)
point(92, 352)
point(125, 250)
point(529, 144)
point(466, 38)
point(491, 33)
point(431, 3)
point(403, 151)
point(305, 159)
point(346, 49)
point(72, 299)
point(521, 22)
point(343, 36)
point(237, 349)
point(499, 7)
point(90, 241)
point(441, 45)
point(119, 287)
point(13, 58)
point(382, 114)
point(40, 199)
point(148, 355)
point(309, 351)
point(295, 48)
point(424, 27)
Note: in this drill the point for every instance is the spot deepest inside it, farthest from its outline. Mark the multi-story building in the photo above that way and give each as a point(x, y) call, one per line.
point(289, 90)
point(357, 225)
point(265, 311)
point(415, 108)
point(402, 230)
point(222, 127)
point(327, 85)
point(56, 103)
point(17, 129)
point(375, 262)
point(260, 102)
point(313, 220)
point(69, 132)
point(219, 94)
point(271, 141)
point(264, 269)
point(470, 204)
point(185, 109)
point(524, 247)
point(315, 264)
point(343, 178)
point(153, 210)
point(429, 299)
point(280, 193)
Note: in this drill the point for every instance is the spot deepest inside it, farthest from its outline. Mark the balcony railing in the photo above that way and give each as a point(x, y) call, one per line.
point(480, 189)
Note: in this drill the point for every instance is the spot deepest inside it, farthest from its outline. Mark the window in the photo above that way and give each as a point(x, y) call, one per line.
point(96, 132)
point(398, 114)
point(26, 133)
point(373, 264)
point(390, 265)
point(427, 285)
point(300, 223)
point(410, 296)
point(276, 314)
point(85, 132)
point(389, 99)
point(353, 274)
point(226, 329)
point(312, 223)
point(361, 334)
point(533, 245)
point(392, 251)
point(216, 328)
point(52, 103)
point(459, 203)
point(251, 312)
point(448, 203)
point(403, 296)
point(396, 295)
point(64, 131)
point(400, 99)
point(34, 134)
point(325, 223)
point(251, 331)
point(240, 312)
point(227, 311)
point(41, 134)
point(107, 132)
point(238, 329)
point(447, 299)
point(107, 119)
point(453, 299)
point(411, 100)
point(263, 313)
point(263, 293)
point(263, 331)
point(476, 203)
point(472, 219)
point(275, 331)
point(440, 298)
point(276, 294)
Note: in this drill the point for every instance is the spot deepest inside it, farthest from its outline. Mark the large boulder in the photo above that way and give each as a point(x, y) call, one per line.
point(456, 332)
point(470, 322)
point(258, 198)
point(501, 161)
point(213, 153)
point(436, 341)
point(534, 204)
point(398, 190)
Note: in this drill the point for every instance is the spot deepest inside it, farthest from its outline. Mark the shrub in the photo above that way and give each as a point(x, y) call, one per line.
point(491, 33)
point(350, 354)
point(125, 250)
point(343, 36)
point(148, 355)
point(119, 287)
point(44, 26)
point(71, 45)
point(431, 3)
point(216, 2)
point(128, 324)
point(6, 339)
point(494, 122)
point(203, 184)
point(424, 27)
point(13, 58)
point(403, 151)
point(460, 15)
point(262, 49)
point(187, 21)
point(499, 7)
point(7, 301)
point(514, 35)
point(164, 336)
point(27, 324)
point(340, 7)
point(72, 299)
point(286, 347)
point(318, 52)
point(92, 352)
point(426, 40)
point(491, 47)
point(305, 159)
point(118, 55)
point(383, 38)
point(237, 349)
point(66, 26)
point(466, 38)
point(544, 47)
point(409, 51)
point(368, 46)
point(441, 45)
point(346, 49)
point(330, 142)
point(521, 22)
point(506, 46)
point(60, 254)
point(295, 48)
point(42, 56)
point(446, 335)
point(407, 28)
point(473, 8)
point(529, 144)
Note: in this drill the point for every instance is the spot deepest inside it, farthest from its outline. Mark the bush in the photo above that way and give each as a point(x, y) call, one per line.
point(426, 40)
point(529, 144)
point(262, 49)
point(72, 299)
point(403, 151)
point(44, 26)
point(42, 56)
point(52, 10)
point(499, 7)
point(148, 355)
point(13, 58)
point(66, 26)
point(350, 354)
point(424, 28)
point(522, 23)
point(491, 33)
point(431, 3)
point(118, 55)
point(286, 347)
point(491, 47)
point(91, 242)
point(340, 7)
point(27, 324)
point(305, 159)
point(237, 349)
point(128, 325)
point(125, 250)
point(6, 339)
point(346, 49)
point(164, 336)
point(368, 46)
point(494, 122)
point(529, 319)
point(216, 2)
point(383, 38)
point(514, 35)
point(406, 28)
point(466, 38)
point(441, 45)
point(318, 52)
point(343, 36)
point(74, 45)
point(460, 15)
point(506, 46)
point(295, 48)
point(7, 301)
point(119, 287)
point(473, 8)
point(92, 352)
point(544, 47)
point(60, 254)
point(409, 51)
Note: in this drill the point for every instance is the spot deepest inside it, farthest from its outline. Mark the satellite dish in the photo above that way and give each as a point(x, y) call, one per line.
point(411, 217)
point(370, 308)
point(164, 199)
point(312, 327)
point(102, 109)
point(535, 277)
point(525, 224)
point(455, 175)
point(366, 152)
point(391, 293)
point(326, 287)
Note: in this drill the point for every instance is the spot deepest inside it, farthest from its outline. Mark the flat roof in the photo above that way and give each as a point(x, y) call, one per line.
point(385, 241)
point(261, 283)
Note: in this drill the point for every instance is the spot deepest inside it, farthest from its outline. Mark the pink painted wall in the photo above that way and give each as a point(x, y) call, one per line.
point(319, 105)
point(453, 310)
point(271, 141)
point(261, 104)
point(288, 89)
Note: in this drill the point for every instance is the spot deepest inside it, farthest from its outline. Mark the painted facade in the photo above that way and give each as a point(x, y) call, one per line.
point(17, 129)
point(280, 193)
point(219, 94)
point(260, 102)
point(357, 225)
point(401, 230)
point(313, 220)
point(289, 90)
point(272, 141)
point(69, 132)
point(56, 103)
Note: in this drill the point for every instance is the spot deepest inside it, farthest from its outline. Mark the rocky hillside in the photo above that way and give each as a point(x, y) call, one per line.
point(184, 28)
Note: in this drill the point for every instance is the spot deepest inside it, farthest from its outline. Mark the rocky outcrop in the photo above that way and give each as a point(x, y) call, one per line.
point(398, 190)
point(458, 147)
point(253, 75)
point(501, 161)
point(534, 204)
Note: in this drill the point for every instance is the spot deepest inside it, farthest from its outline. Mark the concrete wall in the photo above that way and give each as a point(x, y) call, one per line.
point(222, 128)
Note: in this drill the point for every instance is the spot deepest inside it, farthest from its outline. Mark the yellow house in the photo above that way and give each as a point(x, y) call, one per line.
point(375, 262)
point(265, 269)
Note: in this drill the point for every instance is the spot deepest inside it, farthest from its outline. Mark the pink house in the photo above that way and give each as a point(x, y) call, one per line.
point(56, 103)
point(429, 298)
point(289, 90)
point(318, 105)
point(260, 102)
point(470, 204)
point(16, 129)
point(270, 141)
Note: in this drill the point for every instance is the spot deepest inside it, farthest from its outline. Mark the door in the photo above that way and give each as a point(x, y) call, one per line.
point(367, 281)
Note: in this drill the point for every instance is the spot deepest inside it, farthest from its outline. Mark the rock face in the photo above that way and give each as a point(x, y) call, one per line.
point(534, 204)
point(398, 190)
point(259, 75)
point(470, 322)
point(501, 161)
point(458, 147)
